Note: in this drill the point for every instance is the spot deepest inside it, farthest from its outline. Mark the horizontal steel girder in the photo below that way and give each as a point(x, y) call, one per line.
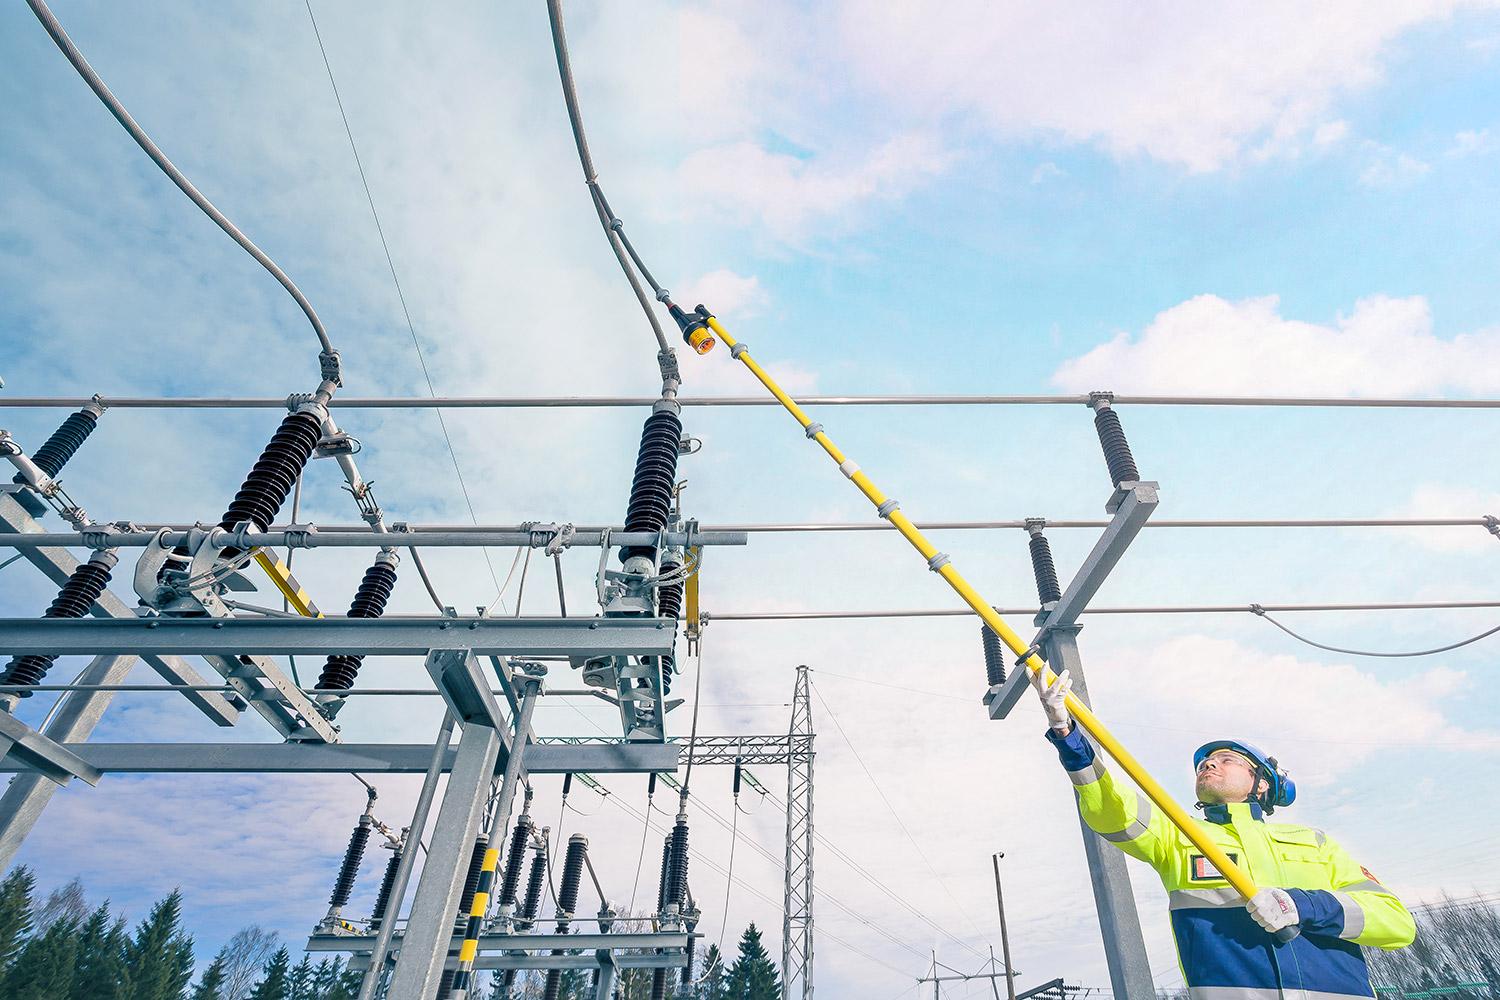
point(339, 758)
point(318, 636)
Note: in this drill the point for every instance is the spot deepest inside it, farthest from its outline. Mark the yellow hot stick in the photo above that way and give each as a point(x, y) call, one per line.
point(281, 576)
point(1080, 712)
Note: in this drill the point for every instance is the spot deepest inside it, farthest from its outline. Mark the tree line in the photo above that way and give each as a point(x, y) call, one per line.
point(58, 946)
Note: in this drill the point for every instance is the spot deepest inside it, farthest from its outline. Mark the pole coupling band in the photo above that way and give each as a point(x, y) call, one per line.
point(887, 508)
point(813, 430)
point(938, 561)
point(739, 348)
point(849, 467)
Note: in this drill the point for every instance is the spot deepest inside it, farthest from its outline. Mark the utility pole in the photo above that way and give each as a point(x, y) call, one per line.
point(797, 910)
point(1010, 976)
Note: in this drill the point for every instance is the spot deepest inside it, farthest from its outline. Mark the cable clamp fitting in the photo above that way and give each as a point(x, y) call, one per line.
point(888, 508)
point(938, 561)
point(849, 467)
point(1493, 524)
point(813, 430)
point(1256, 609)
point(561, 540)
point(96, 537)
point(1033, 650)
point(739, 348)
point(328, 362)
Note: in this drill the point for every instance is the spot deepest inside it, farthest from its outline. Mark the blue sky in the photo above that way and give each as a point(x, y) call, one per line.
point(977, 198)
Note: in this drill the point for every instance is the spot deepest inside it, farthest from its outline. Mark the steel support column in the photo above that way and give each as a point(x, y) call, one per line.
point(1119, 922)
point(797, 910)
point(429, 928)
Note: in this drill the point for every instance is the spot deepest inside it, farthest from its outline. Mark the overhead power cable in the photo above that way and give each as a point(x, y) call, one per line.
point(611, 402)
point(1161, 609)
point(55, 29)
point(614, 229)
point(401, 296)
point(1258, 610)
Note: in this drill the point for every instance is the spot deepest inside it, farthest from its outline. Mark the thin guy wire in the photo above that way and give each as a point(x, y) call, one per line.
point(1256, 609)
point(390, 262)
point(894, 815)
point(1164, 609)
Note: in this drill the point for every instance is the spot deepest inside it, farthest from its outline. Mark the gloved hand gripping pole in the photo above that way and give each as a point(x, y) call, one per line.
point(941, 564)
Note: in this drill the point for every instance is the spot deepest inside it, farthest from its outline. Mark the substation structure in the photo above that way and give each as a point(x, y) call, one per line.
point(467, 911)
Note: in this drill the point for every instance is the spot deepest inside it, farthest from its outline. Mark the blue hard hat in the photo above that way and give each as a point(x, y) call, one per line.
point(1282, 790)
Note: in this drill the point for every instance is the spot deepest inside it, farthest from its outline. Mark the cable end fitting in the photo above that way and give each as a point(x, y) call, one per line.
point(1101, 399)
point(1493, 524)
point(330, 368)
point(694, 327)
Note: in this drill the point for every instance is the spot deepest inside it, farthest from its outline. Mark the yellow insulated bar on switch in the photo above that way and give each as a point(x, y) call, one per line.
point(281, 575)
point(939, 563)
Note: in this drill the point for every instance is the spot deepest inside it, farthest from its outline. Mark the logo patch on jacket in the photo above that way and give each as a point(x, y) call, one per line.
point(1204, 870)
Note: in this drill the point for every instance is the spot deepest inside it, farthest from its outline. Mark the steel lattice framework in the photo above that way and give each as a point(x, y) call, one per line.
point(797, 911)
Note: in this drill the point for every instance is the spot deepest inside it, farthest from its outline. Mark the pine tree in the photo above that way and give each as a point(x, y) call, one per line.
point(15, 913)
point(299, 982)
point(714, 976)
point(100, 972)
point(44, 968)
point(753, 976)
point(331, 981)
point(275, 984)
point(211, 986)
point(159, 960)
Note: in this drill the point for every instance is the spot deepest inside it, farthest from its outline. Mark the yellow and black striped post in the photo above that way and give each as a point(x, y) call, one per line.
point(281, 575)
point(470, 948)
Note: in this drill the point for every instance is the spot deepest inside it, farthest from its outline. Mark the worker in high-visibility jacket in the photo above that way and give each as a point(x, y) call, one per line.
point(1225, 944)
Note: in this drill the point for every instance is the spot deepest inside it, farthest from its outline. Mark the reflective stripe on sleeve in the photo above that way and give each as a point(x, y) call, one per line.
point(1354, 916)
point(1370, 886)
point(1138, 826)
point(1088, 775)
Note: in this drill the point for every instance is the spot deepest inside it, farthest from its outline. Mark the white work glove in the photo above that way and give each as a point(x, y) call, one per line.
point(1053, 695)
point(1273, 909)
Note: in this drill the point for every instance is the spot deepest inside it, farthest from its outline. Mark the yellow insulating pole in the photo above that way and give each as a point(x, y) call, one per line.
point(939, 563)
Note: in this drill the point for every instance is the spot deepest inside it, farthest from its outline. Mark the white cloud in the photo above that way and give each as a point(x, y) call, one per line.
point(744, 184)
point(725, 292)
point(1386, 346)
point(1196, 86)
point(1046, 171)
point(1472, 140)
point(1282, 703)
point(1434, 500)
point(1330, 133)
point(1390, 168)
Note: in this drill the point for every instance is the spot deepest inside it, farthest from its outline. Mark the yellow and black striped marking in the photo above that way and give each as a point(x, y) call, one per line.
point(470, 948)
point(281, 575)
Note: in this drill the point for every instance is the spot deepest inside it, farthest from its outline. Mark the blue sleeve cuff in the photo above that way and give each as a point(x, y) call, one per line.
point(1318, 911)
point(1075, 752)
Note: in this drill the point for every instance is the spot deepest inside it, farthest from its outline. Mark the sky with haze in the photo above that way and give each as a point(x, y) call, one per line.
point(961, 197)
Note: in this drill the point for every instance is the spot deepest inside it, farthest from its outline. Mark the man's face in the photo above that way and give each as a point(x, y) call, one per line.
point(1226, 776)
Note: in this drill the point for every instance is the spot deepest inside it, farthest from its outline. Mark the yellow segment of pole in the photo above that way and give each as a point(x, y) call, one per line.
point(281, 575)
point(1178, 816)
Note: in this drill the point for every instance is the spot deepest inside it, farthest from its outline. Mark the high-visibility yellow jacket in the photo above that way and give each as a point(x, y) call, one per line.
point(1224, 954)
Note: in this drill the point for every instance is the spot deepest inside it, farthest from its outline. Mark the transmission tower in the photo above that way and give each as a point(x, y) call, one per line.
point(797, 912)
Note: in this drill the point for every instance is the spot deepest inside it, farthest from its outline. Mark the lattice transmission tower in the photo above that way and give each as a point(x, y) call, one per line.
point(797, 911)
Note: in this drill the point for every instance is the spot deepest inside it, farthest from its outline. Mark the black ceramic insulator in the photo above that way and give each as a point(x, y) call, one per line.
point(1044, 569)
point(57, 449)
point(369, 602)
point(659, 984)
point(471, 881)
point(572, 874)
point(507, 981)
point(343, 886)
point(677, 886)
point(387, 885)
point(737, 770)
point(553, 989)
point(669, 598)
point(567, 784)
point(655, 478)
point(445, 984)
point(511, 878)
point(270, 481)
point(73, 600)
point(534, 882)
point(687, 970)
point(994, 656)
point(1116, 449)
point(668, 663)
point(666, 865)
